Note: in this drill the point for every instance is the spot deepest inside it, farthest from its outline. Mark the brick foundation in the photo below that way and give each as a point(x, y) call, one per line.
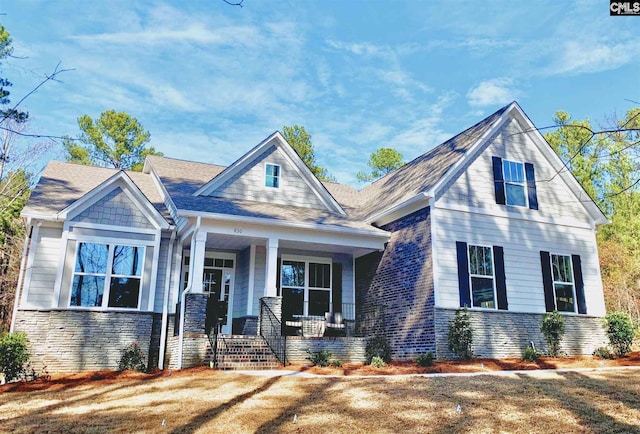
point(507, 334)
point(80, 340)
point(344, 349)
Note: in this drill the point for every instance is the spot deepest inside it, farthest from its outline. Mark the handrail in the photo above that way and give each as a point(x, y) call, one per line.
point(271, 332)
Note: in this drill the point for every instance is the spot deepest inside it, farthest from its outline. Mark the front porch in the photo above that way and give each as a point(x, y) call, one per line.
point(280, 284)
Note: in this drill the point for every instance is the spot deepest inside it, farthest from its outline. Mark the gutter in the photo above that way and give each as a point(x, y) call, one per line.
point(186, 290)
point(23, 261)
point(165, 304)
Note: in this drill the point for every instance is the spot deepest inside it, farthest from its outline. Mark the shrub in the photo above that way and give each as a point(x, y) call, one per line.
point(553, 330)
point(603, 353)
point(425, 359)
point(620, 331)
point(335, 363)
point(377, 347)
point(530, 354)
point(461, 335)
point(132, 358)
point(14, 355)
point(320, 357)
point(378, 362)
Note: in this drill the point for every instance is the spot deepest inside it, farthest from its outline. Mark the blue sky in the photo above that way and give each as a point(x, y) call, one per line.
point(210, 81)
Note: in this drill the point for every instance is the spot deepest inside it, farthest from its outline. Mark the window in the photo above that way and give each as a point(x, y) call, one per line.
point(306, 287)
point(563, 286)
point(482, 277)
point(514, 183)
point(107, 276)
point(272, 175)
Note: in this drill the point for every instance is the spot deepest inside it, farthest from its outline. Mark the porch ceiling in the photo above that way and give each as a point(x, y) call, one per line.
point(238, 242)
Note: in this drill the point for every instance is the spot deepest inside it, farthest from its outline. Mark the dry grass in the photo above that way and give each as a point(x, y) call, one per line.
point(204, 400)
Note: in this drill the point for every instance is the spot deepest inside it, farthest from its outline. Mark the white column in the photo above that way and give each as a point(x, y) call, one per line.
point(272, 268)
point(197, 261)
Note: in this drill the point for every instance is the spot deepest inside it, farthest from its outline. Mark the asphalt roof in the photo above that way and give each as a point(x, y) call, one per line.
point(63, 183)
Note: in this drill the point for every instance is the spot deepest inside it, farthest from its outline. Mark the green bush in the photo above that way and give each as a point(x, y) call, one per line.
point(335, 363)
point(553, 330)
point(320, 357)
point(620, 331)
point(14, 355)
point(377, 347)
point(425, 359)
point(461, 335)
point(530, 354)
point(132, 358)
point(378, 362)
point(603, 353)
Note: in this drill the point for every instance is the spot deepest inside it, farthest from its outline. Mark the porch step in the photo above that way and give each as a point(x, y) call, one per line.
point(243, 352)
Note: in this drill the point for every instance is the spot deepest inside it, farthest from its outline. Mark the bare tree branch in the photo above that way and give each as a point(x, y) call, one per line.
point(48, 77)
point(230, 3)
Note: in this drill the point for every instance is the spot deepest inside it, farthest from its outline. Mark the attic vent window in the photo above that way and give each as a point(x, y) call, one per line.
point(272, 175)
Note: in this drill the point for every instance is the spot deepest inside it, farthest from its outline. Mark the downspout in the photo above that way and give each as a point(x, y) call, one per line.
point(187, 289)
point(165, 304)
point(19, 288)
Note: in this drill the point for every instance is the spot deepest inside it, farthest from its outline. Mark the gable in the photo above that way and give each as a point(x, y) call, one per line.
point(116, 209)
point(474, 184)
point(249, 184)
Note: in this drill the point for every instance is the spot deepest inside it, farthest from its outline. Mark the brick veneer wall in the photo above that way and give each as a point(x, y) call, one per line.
point(401, 279)
point(74, 340)
point(507, 334)
point(345, 349)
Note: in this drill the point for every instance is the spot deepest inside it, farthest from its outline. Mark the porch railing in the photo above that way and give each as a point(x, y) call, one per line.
point(271, 331)
point(345, 319)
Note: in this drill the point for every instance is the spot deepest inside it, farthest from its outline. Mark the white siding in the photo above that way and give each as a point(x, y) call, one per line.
point(241, 285)
point(45, 264)
point(250, 184)
point(162, 273)
point(522, 241)
point(475, 187)
point(259, 278)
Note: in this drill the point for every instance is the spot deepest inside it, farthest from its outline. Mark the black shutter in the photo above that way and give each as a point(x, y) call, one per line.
point(498, 180)
point(547, 281)
point(336, 286)
point(531, 185)
point(501, 280)
point(577, 276)
point(463, 274)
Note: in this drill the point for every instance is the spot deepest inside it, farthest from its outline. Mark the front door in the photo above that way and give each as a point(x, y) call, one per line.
point(217, 280)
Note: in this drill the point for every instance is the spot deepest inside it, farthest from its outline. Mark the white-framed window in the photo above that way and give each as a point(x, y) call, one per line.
point(107, 276)
point(563, 283)
point(305, 285)
point(272, 175)
point(482, 277)
point(515, 185)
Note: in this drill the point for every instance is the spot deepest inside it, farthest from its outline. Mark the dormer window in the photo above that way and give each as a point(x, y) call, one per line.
point(272, 175)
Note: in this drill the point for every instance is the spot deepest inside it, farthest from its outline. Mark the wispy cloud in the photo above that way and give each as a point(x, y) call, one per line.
point(492, 92)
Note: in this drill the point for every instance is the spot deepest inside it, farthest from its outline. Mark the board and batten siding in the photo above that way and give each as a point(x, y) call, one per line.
point(41, 275)
point(474, 187)
point(250, 184)
point(522, 241)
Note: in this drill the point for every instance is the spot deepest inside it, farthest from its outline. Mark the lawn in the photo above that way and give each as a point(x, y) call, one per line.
point(209, 401)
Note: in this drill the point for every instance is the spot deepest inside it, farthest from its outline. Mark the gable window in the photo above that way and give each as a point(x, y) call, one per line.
point(305, 287)
point(482, 277)
point(272, 175)
point(563, 287)
point(107, 276)
point(514, 183)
